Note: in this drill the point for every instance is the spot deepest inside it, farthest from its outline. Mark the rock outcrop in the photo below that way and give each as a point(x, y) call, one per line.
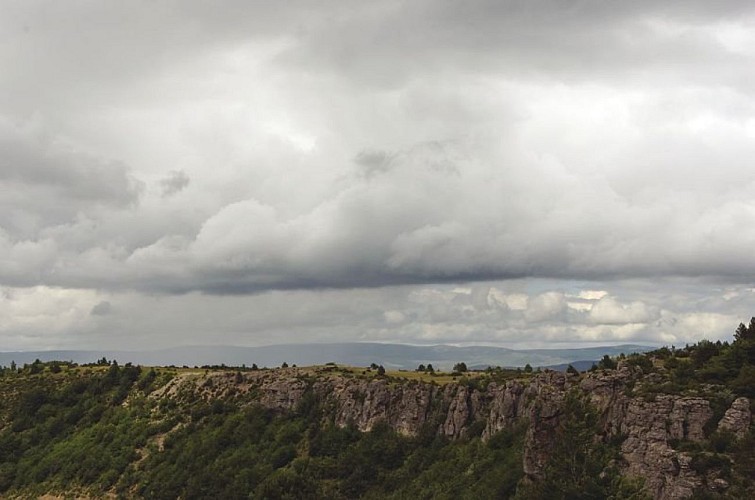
point(406, 408)
point(508, 404)
point(737, 418)
point(650, 426)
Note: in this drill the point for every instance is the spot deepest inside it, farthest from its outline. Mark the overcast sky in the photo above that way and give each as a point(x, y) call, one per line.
point(520, 173)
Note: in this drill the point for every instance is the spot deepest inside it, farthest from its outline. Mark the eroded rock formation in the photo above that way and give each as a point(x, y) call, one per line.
point(649, 426)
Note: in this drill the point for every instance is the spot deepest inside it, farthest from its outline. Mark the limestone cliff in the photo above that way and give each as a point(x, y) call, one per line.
point(649, 425)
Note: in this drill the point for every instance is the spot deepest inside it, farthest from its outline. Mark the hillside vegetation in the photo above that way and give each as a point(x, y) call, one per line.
point(343, 432)
point(96, 430)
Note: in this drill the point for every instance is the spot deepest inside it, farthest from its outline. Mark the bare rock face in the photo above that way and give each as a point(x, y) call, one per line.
point(688, 417)
point(648, 426)
point(543, 418)
point(404, 407)
point(542, 408)
point(607, 392)
point(460, 411)
point(283, 393)
point(507, 406)
point(737, 418)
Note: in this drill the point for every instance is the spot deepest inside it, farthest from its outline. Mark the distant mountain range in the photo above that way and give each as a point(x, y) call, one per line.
point(392, 356)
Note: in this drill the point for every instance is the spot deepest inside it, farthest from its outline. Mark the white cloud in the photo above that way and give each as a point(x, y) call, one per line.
point(609, 311)
point(394, 317)
point(592, 294)
point(545, 306)
point(40, 317)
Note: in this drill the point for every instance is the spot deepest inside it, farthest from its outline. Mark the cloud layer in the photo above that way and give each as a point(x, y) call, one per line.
point(185, 149)
point(513, 313)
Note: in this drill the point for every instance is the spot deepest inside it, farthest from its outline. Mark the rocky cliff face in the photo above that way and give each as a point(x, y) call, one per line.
point(650, 426)
point(737, 418)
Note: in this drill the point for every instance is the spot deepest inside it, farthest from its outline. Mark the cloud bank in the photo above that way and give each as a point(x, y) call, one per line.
point(256, 150)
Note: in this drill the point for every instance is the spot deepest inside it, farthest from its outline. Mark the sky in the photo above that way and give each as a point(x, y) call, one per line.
point(516, 173)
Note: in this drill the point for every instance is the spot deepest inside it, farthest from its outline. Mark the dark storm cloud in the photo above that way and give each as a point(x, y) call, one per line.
point(26, 162)
point(80, 46)
point(389, 43)
point(343, 144)
point(45, 183)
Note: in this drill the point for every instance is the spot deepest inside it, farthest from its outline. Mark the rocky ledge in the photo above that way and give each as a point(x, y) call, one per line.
point(649, 425)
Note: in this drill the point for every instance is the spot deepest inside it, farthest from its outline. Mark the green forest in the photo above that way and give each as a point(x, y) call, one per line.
point(94, 430)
